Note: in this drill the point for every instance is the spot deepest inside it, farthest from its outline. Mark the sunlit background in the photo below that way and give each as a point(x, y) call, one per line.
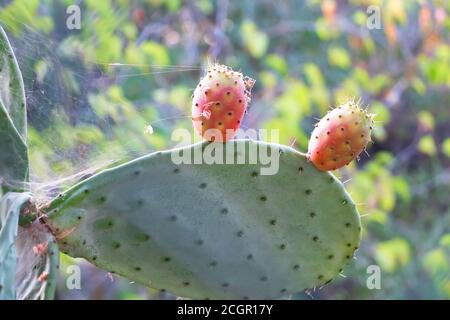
point(91, 93)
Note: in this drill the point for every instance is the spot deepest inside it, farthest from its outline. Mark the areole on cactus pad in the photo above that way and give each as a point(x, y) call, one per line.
point(212, 231)
point(219, 103)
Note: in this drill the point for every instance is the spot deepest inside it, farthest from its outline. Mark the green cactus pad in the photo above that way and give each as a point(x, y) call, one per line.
point(12, 92)
point(13, 155)
point(13, 121)
point(10, 207)
point(212, 231)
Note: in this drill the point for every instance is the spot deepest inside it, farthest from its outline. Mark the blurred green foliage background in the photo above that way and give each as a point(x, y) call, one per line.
point(91, 93)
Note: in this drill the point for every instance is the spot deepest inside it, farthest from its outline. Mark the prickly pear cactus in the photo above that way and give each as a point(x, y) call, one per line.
point(12, 92)
point(28, 253)
point(196, 230)
point(212, 231)
point(13, 157)
point(29, 256)
point(13, 132)
point(38, 263)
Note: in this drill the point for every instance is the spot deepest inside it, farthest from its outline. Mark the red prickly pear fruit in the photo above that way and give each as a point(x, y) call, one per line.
point(219, 103)
point(340, 136)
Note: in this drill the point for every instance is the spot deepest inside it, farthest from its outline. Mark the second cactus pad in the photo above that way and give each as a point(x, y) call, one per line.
point(13, 154)
point(213, 230)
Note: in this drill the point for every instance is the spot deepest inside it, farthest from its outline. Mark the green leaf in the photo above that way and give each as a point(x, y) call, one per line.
point(88, 134)
point(18, 15)
point(419, 86)
point(378, 216)
point(277, 63)
point(401, 187)
point(205, 6)
point(386, 190)
point(446, 147)
point(156, 54)
point(314, 75)
point(393, 254)
point(338, 57)
point(437, 69)
point(445, 241)
point(426, 145)
point(179, 96)
point(172, 5)
point(41, 69)
point(378, 83)
point(360, 18)
point(294, 102)
point(130, 31)
point(426, 120)
point(267, 79)
point(362, 77)
point(325, 31)
point(255, 41)
point(436, 263)
point(382, 113)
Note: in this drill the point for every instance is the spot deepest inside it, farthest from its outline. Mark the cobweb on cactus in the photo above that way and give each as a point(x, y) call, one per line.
point(33, 251)
point(84, 115)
